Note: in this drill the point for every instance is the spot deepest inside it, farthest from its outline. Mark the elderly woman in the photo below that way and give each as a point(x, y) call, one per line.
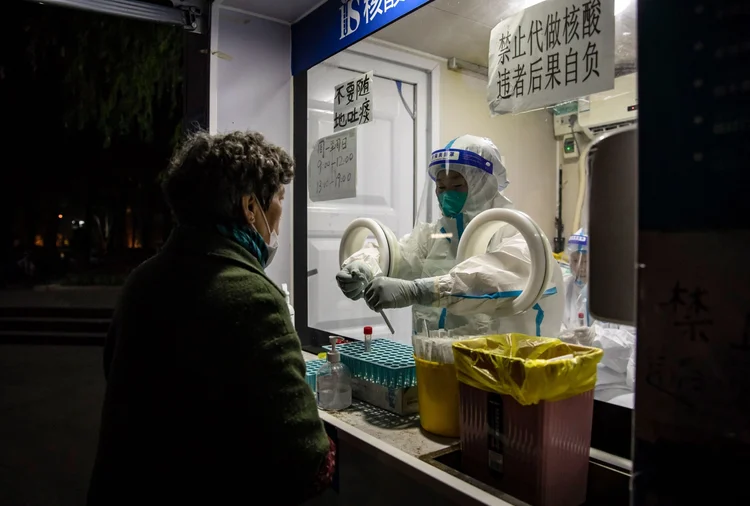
point(206, 399)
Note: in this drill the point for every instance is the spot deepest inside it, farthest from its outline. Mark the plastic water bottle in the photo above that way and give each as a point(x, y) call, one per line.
point(334, 382)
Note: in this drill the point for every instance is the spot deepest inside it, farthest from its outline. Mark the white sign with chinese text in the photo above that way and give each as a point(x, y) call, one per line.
point(332, 171)
point(352, 103)
point(555, 51)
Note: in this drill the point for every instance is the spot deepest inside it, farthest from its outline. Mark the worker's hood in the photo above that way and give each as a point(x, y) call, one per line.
point(478, 160)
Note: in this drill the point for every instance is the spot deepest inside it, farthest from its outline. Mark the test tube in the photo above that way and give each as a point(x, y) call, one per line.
point(368, 338)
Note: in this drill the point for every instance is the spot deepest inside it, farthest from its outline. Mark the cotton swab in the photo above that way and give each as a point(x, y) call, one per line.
point(387, 322)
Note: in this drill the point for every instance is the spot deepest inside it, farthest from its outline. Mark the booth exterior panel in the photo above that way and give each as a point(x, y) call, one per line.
point(133, 9)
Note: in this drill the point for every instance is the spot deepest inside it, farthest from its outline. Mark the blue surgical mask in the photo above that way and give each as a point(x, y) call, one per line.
point(452, 202)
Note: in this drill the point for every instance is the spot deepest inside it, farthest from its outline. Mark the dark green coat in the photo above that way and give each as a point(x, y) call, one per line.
point(206, 398)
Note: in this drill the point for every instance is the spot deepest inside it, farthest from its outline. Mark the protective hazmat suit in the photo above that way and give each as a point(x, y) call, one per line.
point(615, 376)
point(576, 278)
point(463, 298)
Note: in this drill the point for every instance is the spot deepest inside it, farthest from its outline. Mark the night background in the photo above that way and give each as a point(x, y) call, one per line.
point(92, 107)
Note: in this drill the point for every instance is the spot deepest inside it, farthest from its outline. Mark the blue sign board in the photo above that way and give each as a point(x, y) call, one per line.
point(337, 24)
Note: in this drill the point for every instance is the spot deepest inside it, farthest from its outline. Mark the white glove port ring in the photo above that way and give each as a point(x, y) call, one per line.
point(356, 234)
point(477, 236)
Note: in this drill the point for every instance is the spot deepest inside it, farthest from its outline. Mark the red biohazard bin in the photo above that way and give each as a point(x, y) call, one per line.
point(537, 452)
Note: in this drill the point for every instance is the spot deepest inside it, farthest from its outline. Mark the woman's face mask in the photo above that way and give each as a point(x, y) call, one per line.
point(273, 243)
point(271, 220)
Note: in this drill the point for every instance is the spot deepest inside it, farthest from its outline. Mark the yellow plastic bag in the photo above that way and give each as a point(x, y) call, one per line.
point(530, 369)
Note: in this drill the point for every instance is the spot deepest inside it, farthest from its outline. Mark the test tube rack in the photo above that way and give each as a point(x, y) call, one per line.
point(311, 371)
point(388, 363)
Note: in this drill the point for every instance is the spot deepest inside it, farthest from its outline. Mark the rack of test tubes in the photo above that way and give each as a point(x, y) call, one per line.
point(388, 363)
point(311, 371)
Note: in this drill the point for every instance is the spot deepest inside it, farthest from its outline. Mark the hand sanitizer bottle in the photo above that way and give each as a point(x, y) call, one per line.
point(334, 382)
point(285, 289)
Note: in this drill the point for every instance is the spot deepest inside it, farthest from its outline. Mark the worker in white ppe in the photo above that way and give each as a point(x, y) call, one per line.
point(615, 376)
point(575, 279)
point(463, 298)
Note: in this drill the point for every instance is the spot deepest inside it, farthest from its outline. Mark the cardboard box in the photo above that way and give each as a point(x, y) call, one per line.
point(402, 401)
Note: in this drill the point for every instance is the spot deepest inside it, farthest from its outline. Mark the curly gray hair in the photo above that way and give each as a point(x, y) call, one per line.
point(209, 175)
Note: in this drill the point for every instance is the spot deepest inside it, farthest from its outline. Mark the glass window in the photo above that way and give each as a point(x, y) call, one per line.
point(522, 100)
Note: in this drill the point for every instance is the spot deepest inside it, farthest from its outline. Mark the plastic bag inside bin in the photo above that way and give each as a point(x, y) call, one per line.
point(530, 369)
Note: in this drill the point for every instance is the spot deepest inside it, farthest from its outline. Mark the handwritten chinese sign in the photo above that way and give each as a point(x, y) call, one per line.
point(555, 51)
point(332, 171)
point(693, 338)
point(352, 103)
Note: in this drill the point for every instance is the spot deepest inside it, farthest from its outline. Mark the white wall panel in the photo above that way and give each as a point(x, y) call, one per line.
point(252, 91)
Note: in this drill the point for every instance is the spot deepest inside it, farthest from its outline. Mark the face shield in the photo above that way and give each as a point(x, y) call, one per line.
point(464, 179)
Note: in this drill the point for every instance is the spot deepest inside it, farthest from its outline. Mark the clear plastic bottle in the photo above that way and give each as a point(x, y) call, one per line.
point(333, 382)
point(288, 298)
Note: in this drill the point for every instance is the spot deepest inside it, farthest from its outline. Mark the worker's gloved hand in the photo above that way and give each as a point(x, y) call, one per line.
point(353, 279)
point(583, 336)
point(388, 293)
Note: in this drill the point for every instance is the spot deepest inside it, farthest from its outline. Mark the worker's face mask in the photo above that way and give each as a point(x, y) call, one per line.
point(452, 202)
